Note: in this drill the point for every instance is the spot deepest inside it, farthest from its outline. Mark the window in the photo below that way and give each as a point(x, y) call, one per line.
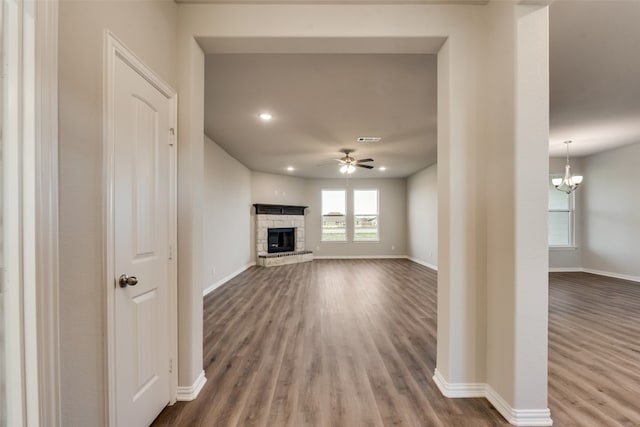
point(334, 216)
point(561, 211)
point(365, 215)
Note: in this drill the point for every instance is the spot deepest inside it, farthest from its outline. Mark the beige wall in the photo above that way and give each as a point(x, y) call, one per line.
point(227, 215)
point(607, 226)
point(491, 90)
point(611, 212)
point(514, 201)
point(422, 216)
point(275, 189)
point(190, 210)
point(492, 96)
point(392, 221)
point(149, 29)
point(281, 189)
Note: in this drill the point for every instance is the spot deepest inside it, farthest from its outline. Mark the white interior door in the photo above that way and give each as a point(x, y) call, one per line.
point(142, 238)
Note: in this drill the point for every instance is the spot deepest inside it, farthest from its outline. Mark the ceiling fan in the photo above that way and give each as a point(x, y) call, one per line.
point(349, 164)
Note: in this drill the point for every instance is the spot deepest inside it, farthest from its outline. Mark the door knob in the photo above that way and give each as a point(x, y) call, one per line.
point(125, 281)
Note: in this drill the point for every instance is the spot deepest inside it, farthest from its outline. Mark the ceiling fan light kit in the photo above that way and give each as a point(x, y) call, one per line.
point(569, 182)
point(347, 169)
point(348, 163)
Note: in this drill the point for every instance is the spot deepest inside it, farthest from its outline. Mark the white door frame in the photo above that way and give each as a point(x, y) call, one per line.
point(31, 199)
point(115, 50)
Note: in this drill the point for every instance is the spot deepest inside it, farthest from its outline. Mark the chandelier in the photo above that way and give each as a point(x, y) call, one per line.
point(570, 182)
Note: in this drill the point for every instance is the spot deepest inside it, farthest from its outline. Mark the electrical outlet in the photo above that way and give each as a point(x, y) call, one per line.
point(393, 248)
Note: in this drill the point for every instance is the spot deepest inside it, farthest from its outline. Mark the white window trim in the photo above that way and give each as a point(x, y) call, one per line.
point(562, 248)
point(346, 216)
point(353, 216)
point(350, 217)
point(572, 214)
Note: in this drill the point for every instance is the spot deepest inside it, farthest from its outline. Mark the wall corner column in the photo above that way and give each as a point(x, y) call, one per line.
point(531, 205)
point(517, 118)
point(460, 360)
point(190, 215)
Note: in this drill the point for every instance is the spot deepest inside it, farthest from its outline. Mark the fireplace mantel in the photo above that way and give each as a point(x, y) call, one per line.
point(264, 209)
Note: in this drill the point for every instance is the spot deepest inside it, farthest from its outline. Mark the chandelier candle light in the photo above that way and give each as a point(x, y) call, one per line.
point(569, 183)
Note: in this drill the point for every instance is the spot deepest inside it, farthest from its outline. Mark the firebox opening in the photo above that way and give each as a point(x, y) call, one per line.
point(281, 240)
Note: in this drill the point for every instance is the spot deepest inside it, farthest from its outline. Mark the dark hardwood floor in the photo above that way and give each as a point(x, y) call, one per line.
point(353, 343)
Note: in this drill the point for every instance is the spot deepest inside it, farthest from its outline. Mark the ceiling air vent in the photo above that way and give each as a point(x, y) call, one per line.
point(368, 139)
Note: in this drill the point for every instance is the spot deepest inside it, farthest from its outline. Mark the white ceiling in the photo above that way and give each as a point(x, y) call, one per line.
point(322, 102)
point(594, 75)
point(480, 2)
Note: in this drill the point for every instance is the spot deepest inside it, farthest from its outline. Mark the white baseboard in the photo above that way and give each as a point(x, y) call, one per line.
point(360, 257)
point(226, 279)
point(458, 390)
point(614, 275)
point(191, 392)
point(592, 271)
point(565, 269)
point(516, 417)
point(421, 262)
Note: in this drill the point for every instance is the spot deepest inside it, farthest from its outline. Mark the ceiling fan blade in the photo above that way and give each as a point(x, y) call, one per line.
point(341, 161)
point(364, 166)
point(365, 160)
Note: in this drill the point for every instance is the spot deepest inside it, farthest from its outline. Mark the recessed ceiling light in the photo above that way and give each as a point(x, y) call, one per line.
point(382, 168)
point(290, 168)
point(265, 116)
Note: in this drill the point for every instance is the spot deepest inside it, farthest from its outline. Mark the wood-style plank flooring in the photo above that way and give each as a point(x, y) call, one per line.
point(325, 343)
point(594, 351)
point(353, 343)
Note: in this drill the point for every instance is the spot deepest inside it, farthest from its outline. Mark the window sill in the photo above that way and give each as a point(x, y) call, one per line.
point(563, 248)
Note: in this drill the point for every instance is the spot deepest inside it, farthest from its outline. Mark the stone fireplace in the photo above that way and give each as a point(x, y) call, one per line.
point(280, 235)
